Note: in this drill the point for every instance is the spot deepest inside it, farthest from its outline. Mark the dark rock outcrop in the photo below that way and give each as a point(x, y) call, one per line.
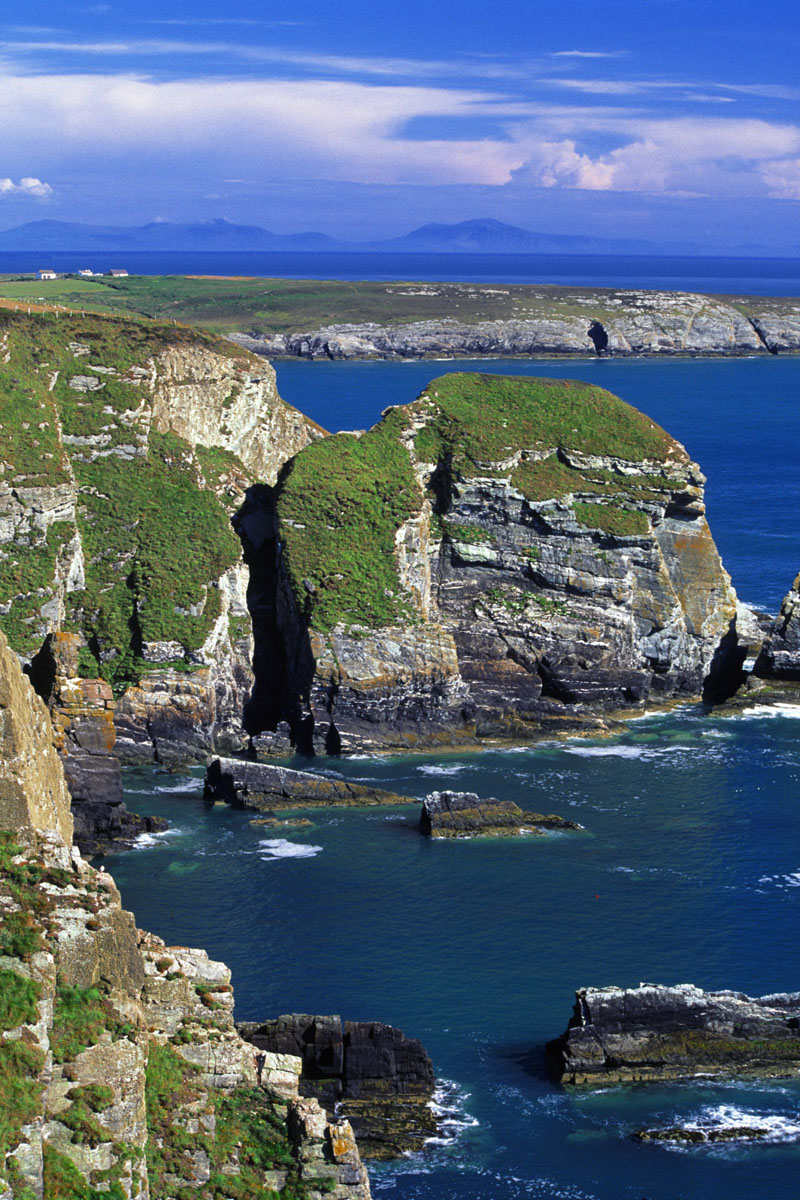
point(465, 814)
point(372, 1074)
point(265, 786)
point(619, 1035)
point(780, 654)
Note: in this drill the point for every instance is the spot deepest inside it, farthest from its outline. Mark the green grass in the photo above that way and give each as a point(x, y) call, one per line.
point(18, 999)
point(137, 518)
point(21, 1090)
point(80, 1018)
point(340, 503)
point(608, 518)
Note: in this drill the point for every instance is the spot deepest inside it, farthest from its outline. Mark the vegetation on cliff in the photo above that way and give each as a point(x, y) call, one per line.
point(341, 501)
point(149, 512)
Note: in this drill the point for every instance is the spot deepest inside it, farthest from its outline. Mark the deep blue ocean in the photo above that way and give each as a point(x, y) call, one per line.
point(731, 276)
point(689, 869)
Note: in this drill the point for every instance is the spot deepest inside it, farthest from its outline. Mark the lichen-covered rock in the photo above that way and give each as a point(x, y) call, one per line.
point(118, 484)
point(501, 557)
point(619, 1035)
point(265, 786)
point(465, 814)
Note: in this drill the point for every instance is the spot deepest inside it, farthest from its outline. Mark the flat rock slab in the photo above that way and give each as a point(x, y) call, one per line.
point(619, 1035)
point(266, 787)
point(465, 814)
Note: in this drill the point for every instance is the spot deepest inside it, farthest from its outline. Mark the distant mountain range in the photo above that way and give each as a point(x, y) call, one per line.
point(484, 236)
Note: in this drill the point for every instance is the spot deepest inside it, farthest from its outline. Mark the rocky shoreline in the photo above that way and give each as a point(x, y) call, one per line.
point(578, 324)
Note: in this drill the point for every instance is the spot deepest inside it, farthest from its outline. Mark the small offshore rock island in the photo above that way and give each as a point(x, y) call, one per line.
point(188, 568)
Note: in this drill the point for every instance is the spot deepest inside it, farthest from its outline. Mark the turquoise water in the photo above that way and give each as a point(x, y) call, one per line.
point(689, 869)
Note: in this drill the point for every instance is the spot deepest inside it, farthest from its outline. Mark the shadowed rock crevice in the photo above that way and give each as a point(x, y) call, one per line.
point(598, 337)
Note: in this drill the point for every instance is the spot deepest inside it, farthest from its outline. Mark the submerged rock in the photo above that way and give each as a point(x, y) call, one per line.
point(372, 1074)
point(265, 786)
point(465, 814)
point(619, 1035)
point(695, 1135)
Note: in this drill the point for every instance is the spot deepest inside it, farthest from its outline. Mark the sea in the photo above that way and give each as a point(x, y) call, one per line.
point(688, 869)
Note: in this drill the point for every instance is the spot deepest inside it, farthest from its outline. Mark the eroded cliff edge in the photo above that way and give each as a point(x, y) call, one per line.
point(125, 449)
point(502, 556)
point(121, 1072)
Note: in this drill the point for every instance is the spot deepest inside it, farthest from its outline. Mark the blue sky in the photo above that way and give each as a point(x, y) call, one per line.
point(662, 119)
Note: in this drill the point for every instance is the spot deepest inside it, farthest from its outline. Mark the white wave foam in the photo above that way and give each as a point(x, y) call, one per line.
point(782, 881)
point(768, 710)
point(626, 751)
point(767, 1127)
point(272, 848)
point(448, 1105)
point(430, 769)
point(191, 785)
point(145, 841)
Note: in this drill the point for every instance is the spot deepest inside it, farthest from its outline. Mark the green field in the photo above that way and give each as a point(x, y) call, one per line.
point(267, 306)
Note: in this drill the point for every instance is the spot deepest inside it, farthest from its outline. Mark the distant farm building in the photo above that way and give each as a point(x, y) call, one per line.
point(47, 273)
point(86, 271)
point(117, 274)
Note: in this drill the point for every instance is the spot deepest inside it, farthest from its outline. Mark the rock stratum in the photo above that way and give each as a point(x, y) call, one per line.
point(126, 447)
point(619, 1035)
point(605, 321)
point(372, 1074)
point(502, 557)
point(121, 1071)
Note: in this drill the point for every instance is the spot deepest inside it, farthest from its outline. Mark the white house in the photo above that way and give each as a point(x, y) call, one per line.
point(47, 273)
point(86, 271)
point(117, 274)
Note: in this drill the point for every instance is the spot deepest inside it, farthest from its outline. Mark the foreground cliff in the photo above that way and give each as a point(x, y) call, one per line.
point(121, 1072)
point(504, 555)
point(125, 449)
point(619, 1035)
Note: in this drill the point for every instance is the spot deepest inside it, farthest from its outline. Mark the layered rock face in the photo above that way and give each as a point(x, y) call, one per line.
point(372, 1074)
point(266, 787)
point(620, 323)
point(121, 1071)
point(653, 1032)
point(503, 556)
point(125, 449)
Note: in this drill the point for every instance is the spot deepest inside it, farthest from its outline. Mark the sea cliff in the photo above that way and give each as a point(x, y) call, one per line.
point(501, 557)
point(121, 1071)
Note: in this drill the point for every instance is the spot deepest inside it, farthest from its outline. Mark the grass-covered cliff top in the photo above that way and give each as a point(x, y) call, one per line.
point(131, 527)
point(482, 419)
point(342, 500)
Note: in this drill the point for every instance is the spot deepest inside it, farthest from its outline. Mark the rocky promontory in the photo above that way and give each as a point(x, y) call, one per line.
point(563, 322)
point(619, 1035)
point(504, 556)
point(126, 447)
point(381, 1081)
point(465, 814)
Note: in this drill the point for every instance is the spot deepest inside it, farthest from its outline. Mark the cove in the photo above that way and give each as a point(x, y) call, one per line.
point(688, 870)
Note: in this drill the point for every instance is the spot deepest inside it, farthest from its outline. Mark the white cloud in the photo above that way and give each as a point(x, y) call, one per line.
point(27, 186)
point(588, 54)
